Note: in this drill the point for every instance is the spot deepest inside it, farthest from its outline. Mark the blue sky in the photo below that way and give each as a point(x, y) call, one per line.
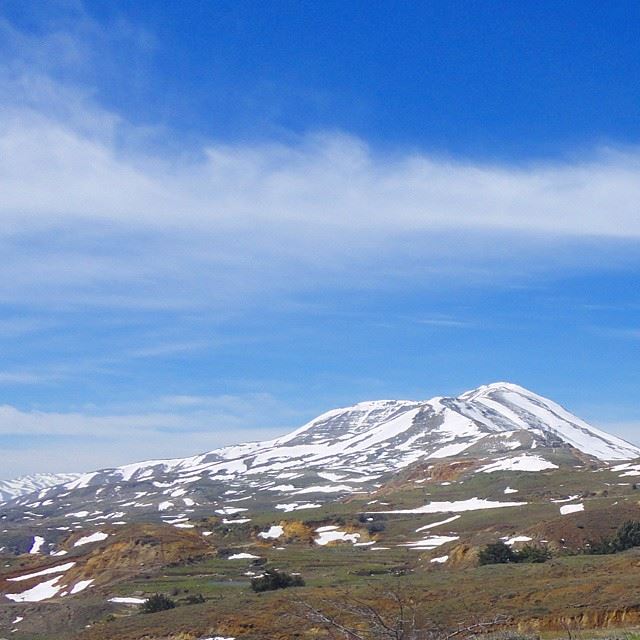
point(218, 220)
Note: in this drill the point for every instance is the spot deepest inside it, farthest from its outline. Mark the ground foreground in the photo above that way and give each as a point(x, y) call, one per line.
point(414, 539)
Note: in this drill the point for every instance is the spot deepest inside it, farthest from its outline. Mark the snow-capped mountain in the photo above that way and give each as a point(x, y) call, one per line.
point(340, 452)
point(10, 489)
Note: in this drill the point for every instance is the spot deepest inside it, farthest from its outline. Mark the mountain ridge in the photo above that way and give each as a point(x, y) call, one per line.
point(341, 452)
point(15, 487)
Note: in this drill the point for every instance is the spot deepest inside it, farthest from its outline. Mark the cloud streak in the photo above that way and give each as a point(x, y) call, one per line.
point(84, 222)
point(171, 426)
point(96, 210)
point(184, 414)
point(323, 186)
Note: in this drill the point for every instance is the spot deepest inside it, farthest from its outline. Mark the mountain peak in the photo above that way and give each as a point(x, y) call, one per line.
point(494, 387)
point(344, 451)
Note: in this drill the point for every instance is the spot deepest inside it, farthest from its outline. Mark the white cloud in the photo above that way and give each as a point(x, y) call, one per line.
point(98, 211)
point(173, 426)
point(82, 222)
point(88, 454)
point(325, 186)
point(184, 414)
point(23, 377)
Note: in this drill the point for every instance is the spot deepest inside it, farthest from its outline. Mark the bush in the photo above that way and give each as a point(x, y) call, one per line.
point(194, 599)
point(627, 537)
point(273, 579)
point(496, 553)
point(602, 547)
point(530, 553)
point(501, 553)
point(157, 602)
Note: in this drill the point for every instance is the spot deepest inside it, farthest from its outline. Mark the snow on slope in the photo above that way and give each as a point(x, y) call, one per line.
point(352, 448)
point(390, 434)
point(544, 416)
point(10, 489)
point(519, 463)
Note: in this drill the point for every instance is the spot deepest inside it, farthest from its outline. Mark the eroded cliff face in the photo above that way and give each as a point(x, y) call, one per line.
point(590, 619)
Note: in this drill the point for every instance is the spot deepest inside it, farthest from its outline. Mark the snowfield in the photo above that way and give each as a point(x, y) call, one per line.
point(473, 504)
point(519, 463)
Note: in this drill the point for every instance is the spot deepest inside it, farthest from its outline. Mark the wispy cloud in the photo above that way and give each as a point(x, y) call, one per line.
point(24, 377)
point(622, 333)
point(168, 427)
point(186, 414)
point(88, 219)
point(444, 322)
point(169, 348)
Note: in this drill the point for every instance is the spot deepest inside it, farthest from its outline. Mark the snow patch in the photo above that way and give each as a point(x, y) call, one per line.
point(472, 504)
point(437, 524)
point(38, 541)
point(127, 600)
point(430, 542)
point(98, 536)
point(274, 532)
point(297, 506)
point(523, 462)
point(42, 591)
point(515, 539)
point(81, 586)
point(59, 569)
point(571, 508)
point(331, 534)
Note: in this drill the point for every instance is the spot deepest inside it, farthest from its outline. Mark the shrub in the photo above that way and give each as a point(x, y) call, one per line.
point(496, 553)
point(601, 547)
point(273, 579)
point(501, 553)
point(194, 599)
point(626, 537)
point(157, 602)
point(531, 553)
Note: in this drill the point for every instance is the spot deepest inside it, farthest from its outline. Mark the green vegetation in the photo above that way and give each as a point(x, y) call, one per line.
point(273, 579)
point(157, 602)
point(626, 537)
point(533, 554)
point(500, 553)
point(496, 553)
